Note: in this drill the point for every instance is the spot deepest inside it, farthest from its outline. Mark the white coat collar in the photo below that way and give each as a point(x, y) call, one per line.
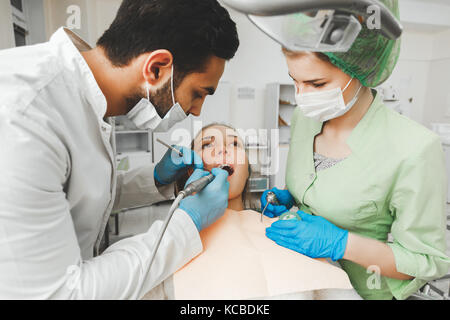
point(68, 46)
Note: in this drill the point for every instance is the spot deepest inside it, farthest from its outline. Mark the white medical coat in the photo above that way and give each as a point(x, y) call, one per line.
point(58, 186)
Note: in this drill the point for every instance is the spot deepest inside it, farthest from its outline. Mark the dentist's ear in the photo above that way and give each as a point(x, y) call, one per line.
point(157, 67)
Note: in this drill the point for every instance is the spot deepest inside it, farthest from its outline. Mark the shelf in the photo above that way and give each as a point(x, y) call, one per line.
point(258, 182)
point(134, 153)
point(131, 131)
point(257, 190)
point(282, 122)
point(255, 147)
point(288, 105)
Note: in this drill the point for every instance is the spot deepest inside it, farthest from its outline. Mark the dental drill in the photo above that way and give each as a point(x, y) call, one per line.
point(272, 199)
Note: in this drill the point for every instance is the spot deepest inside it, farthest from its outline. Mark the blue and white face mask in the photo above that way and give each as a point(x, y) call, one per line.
point(145, 116)
point(325, 105)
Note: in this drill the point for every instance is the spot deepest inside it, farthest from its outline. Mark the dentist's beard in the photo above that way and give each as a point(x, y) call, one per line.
point(161, 99)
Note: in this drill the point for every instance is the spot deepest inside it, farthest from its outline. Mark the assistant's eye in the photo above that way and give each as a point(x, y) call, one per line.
point(319, 85)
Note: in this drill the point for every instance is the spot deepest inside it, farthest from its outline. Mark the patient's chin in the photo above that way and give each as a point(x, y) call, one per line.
point(233, 196)
point(235, 191)
point(238, 181)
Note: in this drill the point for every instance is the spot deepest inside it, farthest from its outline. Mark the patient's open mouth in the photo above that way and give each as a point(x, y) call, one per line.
point(228, 169)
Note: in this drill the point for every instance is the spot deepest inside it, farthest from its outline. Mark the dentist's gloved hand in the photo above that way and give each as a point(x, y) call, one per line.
point(312, 236)
point(209, 204)
point(284, 198)
point(172, 166)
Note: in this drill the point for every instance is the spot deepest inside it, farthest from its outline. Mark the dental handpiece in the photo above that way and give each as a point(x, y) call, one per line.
point(270, 198)
point(201, 183)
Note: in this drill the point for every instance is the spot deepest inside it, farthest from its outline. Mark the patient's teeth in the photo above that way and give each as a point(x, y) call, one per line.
point(227, 168)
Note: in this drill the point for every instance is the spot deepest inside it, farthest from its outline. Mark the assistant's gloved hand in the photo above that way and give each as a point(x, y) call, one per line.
point(312, 236)
point(284, 198)
point(209, 204)
point(172, 166)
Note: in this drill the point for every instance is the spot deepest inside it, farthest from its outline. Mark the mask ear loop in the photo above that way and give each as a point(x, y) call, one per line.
point(347, 85)
point(171, 86)
point(356, 97)
point(147, 87)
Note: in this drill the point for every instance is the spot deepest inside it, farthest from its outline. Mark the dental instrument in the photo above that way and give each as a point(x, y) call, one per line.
point(170, 147)
point(272, 199)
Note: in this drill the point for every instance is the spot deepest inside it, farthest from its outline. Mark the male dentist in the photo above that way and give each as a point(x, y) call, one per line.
point(156, 64)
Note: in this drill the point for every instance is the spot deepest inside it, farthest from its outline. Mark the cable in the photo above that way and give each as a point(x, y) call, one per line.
point(174, 206)
point(193, 187)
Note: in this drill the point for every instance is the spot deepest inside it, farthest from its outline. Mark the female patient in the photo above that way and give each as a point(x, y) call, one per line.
point(231, 268)
point(217, 145)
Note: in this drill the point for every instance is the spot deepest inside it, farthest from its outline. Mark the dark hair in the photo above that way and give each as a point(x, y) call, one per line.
point(192, 30)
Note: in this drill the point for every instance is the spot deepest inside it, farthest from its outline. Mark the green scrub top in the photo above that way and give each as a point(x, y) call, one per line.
point(393, 182)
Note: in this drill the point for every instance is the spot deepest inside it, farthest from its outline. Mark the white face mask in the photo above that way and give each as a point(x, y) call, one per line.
point(325, 105)
point(145, 116)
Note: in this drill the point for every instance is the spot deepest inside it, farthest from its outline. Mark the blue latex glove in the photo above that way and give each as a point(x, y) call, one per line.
point(284, 198)
point(312, 236)
point(209, 204)
point(172, 166)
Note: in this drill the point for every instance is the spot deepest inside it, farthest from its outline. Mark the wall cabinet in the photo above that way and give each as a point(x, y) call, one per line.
point(279, 109)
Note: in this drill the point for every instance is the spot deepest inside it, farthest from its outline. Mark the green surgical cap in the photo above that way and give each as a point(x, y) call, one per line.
point(372, 57)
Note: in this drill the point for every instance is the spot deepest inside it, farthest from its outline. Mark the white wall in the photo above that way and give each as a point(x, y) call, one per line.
point(96, 16)
point(411, 75)
point(101, 15)
point(423, 75)
point(438, 89)
point(57, 16)
point(429, 14)
point(35, 14)
point(6, 25)
point(426, 59)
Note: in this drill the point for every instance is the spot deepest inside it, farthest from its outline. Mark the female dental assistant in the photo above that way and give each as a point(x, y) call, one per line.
point(359, 171)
